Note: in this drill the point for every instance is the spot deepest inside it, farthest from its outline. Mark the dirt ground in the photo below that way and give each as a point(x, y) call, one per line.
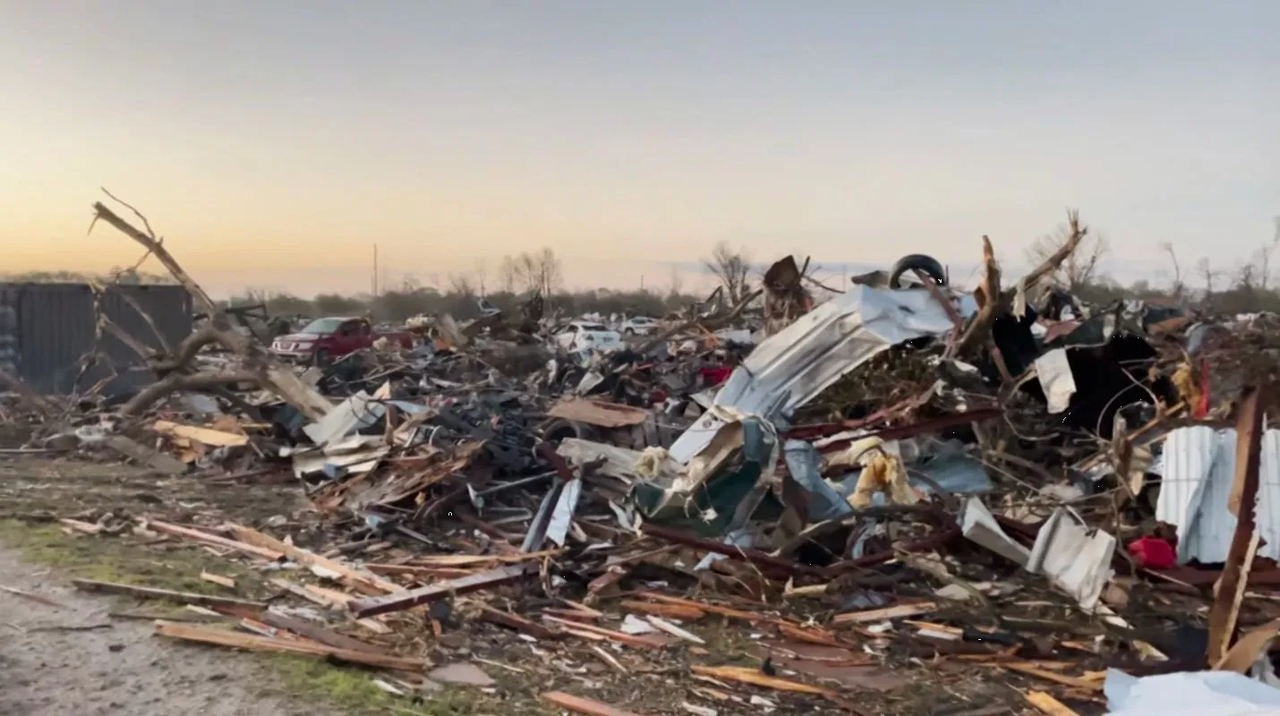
point(61, 660)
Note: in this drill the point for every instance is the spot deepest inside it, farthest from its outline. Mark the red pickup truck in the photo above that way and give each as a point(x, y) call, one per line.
point(324, 339)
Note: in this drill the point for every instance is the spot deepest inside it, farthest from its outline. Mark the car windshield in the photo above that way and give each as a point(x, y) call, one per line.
point(594, 327)
point(323, 326)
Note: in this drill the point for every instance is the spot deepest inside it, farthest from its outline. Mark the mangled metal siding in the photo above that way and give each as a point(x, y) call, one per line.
point(794, 365)
point(46, 329)
point(1197, 473)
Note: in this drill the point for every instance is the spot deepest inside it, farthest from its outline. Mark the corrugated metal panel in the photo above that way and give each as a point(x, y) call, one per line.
point(1187, 461)
point(1198, 471)
point(56, 325)
point(1269, 495)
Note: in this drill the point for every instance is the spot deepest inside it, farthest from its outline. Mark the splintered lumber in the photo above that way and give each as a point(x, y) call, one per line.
point(581, 705)
point(755, 677)
point(220, 637)
point(215, 540)
point(590, 631)
point(130, 590)
point(708, 608)
point(670, 611)
point(1229, 591)
point(1048, 704)
point(218, 579)
point(373, 606)
point(317, 633)
point(329, 599)
point(1073, 681)
point(207, 436)
point(364, 581)
point(894, 612)
point(517, 622)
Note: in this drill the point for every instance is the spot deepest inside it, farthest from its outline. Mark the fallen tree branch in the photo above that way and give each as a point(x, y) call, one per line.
point(176, 382)
point(267, 371)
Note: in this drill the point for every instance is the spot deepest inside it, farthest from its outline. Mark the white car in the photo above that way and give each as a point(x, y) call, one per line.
point(639, 326)
point(585, 335)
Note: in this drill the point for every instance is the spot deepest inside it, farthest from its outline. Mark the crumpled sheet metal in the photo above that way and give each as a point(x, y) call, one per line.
point(1183, 693)
point(794, 365)
point(1198, 470)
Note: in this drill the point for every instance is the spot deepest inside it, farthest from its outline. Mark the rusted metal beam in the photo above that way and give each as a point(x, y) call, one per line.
point(1244, 543)
point(374, 606)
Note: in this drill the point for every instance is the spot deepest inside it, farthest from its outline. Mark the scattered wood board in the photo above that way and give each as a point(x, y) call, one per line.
point(589, 631)
point(208, 436)
point(1048, 704)
point(364, 581)
point(317, 633)
point(206, 538)
point(670, 611)
point(895, 612)
point(1072, 681)
point(234, 640)
point(218, 579)
point(130, 590)
point(746, 675)
point(580, 705)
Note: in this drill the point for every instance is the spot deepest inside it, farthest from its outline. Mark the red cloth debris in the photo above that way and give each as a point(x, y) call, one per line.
point(716, 375)
point(1154, 552)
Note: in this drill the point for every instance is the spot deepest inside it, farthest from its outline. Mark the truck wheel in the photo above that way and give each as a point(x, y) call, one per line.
point(630, 331)
point(927, 264)
point(321, 358)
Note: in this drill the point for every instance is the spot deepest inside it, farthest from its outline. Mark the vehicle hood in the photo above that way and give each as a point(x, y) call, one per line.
point(299, 338)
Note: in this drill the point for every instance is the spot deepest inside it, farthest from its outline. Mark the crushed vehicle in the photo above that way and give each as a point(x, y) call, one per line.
point(576, 336)
point(639, 326)
point(325, 339)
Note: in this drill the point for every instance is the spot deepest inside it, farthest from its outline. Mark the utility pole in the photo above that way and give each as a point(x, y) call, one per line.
point(375, 271)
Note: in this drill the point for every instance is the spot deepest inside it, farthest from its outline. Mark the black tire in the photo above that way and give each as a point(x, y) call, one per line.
point(321, 358)
point(928, 264)
point(629, 332)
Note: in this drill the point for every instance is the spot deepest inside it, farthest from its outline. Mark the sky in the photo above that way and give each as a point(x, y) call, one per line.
point(274, 142)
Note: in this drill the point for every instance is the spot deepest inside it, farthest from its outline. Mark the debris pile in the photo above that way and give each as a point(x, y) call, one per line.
point(901, 486)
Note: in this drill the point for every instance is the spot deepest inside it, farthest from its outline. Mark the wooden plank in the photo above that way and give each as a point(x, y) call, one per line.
point(581, 705)
point(87, 528)
point(216, 438)
point(425, 595)
point(895, 612)
point(755, 677)
point(517, 622)
point(218, 579)
point(129, 590)
point(364, 581)
point(670, 611)
point(581, 629)
point(234, 640)
point(339, 600)
point(317, 633)
point(1048, 704)
point(1229, 592)
point(1072, 681)
point(709, 608)
point(204, 537)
